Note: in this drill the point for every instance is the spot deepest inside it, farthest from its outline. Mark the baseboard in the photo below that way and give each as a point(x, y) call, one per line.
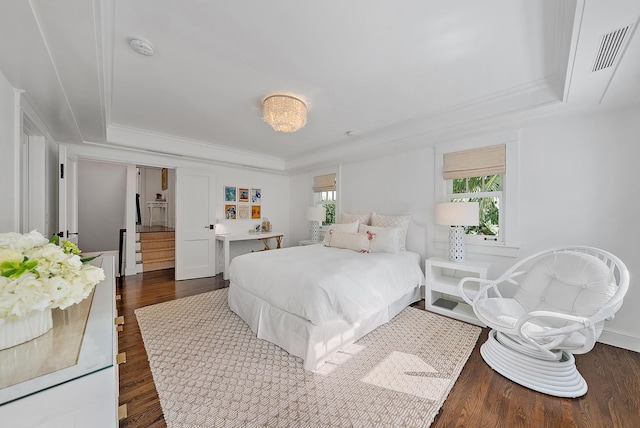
point(620, 340)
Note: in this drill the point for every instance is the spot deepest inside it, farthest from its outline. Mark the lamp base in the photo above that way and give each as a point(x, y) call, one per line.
point(456, 244)
point(315, 231)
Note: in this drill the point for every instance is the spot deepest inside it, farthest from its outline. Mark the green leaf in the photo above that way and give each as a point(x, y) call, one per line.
point(16, 269)
point(88, 259)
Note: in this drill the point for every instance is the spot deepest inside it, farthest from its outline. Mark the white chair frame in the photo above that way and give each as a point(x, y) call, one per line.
point(538, 360)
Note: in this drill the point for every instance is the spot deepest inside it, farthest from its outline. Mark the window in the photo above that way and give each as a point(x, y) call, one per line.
point(325, 195)
point(478, 175)
point(487, 191)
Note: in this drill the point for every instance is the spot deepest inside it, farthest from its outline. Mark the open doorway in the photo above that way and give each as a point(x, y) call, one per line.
point(155, 218)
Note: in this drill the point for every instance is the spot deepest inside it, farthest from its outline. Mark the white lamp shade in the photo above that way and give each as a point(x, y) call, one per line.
point(458, 214)
point(316, 214)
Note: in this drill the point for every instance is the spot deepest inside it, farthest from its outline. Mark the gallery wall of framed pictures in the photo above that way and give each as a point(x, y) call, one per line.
point(242, 203)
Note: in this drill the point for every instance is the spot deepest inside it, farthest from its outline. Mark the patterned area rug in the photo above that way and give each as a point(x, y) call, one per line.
point(210, 370)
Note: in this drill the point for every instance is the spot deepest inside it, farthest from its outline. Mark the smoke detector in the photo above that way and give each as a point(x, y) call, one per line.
point(141, 46)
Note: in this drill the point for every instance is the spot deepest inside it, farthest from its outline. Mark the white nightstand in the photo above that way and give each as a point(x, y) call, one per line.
point(309, 242)
point(442, 283)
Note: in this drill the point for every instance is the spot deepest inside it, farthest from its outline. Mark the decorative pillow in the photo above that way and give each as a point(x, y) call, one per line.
point(345, 227)
point(399, 221)
point(351, 241)
point(387, 239)
point(349, 218)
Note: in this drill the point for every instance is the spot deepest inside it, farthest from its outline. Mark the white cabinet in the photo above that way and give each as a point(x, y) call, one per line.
point(84, 394)
point(441, 293)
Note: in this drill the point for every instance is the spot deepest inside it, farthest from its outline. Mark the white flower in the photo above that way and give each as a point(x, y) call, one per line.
point(47, 278)
point(22, 241)
point(10, 255)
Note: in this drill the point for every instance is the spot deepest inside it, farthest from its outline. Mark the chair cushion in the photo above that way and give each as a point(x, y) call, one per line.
point(569, 282)
point(503, 313)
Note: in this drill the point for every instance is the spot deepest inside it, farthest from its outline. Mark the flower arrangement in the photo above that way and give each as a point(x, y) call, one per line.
point(36, 274)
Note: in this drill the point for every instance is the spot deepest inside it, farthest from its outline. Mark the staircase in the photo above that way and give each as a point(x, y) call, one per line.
point(155, 251)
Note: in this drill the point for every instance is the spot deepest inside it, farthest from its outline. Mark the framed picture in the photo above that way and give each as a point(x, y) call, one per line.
point(255, 212)
point(256, 196)
point(165, 178)
point(229, 194)
point(243, 194)
point(243, 212)
point(230, 211)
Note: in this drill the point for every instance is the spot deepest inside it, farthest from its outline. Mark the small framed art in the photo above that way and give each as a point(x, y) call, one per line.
point(230, 193)
point(230, 211)
point(256, 196)
point(243, 194)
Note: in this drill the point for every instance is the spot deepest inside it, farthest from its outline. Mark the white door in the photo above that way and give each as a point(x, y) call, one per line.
point(67, 196)
point(195, 217)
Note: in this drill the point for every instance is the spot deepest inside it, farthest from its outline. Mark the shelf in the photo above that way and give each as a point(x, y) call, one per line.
point(443, 277)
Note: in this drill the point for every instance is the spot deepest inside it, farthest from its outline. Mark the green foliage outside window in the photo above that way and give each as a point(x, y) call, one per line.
point(331, 212)
point(489, 205)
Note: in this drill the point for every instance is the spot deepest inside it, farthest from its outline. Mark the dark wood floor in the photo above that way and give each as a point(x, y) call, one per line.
point(480, 397)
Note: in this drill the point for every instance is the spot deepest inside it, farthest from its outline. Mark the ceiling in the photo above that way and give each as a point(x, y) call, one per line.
point(386, 73)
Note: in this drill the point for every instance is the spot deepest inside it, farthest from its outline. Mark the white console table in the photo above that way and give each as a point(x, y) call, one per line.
point(229, 237)
point(162, 206)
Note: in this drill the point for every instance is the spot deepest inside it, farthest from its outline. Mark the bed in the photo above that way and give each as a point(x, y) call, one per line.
point(314, 300)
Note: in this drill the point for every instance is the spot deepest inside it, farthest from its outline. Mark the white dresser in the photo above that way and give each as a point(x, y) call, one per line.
point(84, 394)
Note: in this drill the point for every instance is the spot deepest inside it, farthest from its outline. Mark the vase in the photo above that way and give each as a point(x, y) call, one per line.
point(16, 331)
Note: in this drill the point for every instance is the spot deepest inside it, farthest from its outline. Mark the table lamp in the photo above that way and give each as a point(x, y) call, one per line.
point(317, 216)
point(457, 215)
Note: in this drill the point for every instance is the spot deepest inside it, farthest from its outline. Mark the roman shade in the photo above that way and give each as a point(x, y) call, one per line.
point(324, 183)
point(475, 162)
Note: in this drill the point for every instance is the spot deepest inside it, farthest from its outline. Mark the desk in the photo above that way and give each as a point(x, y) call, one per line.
point(157, 204)
point(229, 237)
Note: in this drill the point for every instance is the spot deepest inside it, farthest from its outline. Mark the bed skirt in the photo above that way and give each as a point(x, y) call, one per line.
point(296, 335)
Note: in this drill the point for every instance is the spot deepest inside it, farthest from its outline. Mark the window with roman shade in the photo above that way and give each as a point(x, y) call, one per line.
point(325, 195)
point(477, 175)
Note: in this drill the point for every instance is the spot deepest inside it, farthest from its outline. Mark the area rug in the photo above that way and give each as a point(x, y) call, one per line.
point(210, 370)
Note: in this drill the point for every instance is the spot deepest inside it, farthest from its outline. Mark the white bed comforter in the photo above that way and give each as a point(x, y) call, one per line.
point(324, 284)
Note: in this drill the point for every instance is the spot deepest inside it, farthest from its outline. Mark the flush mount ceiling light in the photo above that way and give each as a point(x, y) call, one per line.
point(284, 113)
point(141, 46)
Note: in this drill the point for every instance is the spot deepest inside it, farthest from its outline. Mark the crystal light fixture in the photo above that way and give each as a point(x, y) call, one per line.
point(284, 113)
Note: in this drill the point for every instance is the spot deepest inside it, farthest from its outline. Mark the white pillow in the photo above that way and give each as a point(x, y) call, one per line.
point(399, 221)
point(345, 227)
point(349, 218)
point(351, 241)
point(386, 240)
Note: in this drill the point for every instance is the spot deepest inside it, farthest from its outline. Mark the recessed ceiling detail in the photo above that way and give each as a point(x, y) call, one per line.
point(610, 44)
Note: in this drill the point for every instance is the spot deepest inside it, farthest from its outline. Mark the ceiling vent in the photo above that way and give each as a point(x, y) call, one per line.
point(610, 44)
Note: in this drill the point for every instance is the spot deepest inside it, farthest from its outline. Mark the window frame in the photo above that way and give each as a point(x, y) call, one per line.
point(509, 221)
point(318, 202)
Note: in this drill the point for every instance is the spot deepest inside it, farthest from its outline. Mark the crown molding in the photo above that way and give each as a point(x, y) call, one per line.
point(169, 145)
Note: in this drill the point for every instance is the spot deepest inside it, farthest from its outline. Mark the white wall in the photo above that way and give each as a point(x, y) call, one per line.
point(275, 205)
point(101, 204)
point(9, 159)
point(398, 184)
point(578, 186)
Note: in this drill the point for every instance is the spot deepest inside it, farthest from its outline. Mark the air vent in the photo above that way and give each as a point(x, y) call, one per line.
point(610, 44)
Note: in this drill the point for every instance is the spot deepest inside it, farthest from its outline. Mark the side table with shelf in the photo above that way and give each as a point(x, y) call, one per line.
point(441, 293)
